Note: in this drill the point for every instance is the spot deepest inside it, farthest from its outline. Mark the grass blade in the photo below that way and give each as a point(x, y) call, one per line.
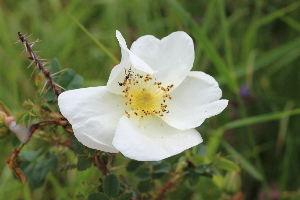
point(89, 34)
point(207, 46)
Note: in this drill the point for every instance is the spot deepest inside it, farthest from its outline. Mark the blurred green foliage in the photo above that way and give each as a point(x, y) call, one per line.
point(251, 47)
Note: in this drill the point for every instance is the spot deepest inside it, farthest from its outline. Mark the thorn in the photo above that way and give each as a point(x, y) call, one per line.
point(59, 86)
point(22, 52)
point(25, 46)
point(52, 75)
point(33, 43)
point(45, 63)
point(30, 64)
point(44, 86)
point(32, 72)
point(38, 59)
point(27, 36)
point(18, 42)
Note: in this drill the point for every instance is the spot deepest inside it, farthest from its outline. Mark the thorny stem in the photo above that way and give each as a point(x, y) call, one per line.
point(39, 65)
point(169, 186)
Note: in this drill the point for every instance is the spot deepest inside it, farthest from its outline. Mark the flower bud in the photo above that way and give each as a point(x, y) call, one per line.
point(3, 128)
point(232, 182)
point(20, 130)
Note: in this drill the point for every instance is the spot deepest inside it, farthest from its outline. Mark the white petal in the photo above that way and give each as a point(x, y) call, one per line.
point(94, 113)
point(135, 61)
point(129, 61)
point(172, 57)
point(151, 139)
point(193, 101)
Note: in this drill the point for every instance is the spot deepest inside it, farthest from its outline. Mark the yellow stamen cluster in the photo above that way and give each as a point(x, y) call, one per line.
point(144, 95)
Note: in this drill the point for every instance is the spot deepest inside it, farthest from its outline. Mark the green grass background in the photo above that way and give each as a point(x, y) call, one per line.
point(252, 42)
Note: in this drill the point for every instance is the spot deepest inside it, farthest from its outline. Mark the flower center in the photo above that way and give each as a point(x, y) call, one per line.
point(144, 95)
point(144, 100)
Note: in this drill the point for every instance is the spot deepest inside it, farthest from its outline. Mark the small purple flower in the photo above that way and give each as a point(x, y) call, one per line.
point(244, 90)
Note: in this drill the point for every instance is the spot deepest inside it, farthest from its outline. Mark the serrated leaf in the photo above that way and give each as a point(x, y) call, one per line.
point(223, 163)
point(76, 146)
point(143, 173)
point(144, 186)
point(133, 165)
point(98, 196)
point(201, 149)
point(83, 163)
point(111, 185)
point(163, 167)
point(126, 196)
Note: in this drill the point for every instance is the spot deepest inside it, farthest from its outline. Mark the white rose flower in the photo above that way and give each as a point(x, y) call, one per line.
point(151, 104)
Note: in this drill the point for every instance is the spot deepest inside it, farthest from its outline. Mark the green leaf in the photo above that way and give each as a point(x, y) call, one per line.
point(29, 155)
point(23, 117)
point(16, 142)
point(111, 185)
point(76, 146)
point(163, 167)
point(133, 165)
point(203, 169)
point(26, 119)
point(192, 176)
point(201, 149)
point(83, 163)
point(154, 162)
point(52, 161)
point(215, 171)
point(143, 173)
point(91, 152)
point(49, 96)
point(54, 67)
point(126, 196)
point(98, 196)
point(223, 163)
point(144, 186)
point(158, 175)
point(70, 80)
point(36, 167)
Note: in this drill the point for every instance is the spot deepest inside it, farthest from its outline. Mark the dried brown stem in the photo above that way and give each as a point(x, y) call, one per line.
point(28, 47)
point(63, 123)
